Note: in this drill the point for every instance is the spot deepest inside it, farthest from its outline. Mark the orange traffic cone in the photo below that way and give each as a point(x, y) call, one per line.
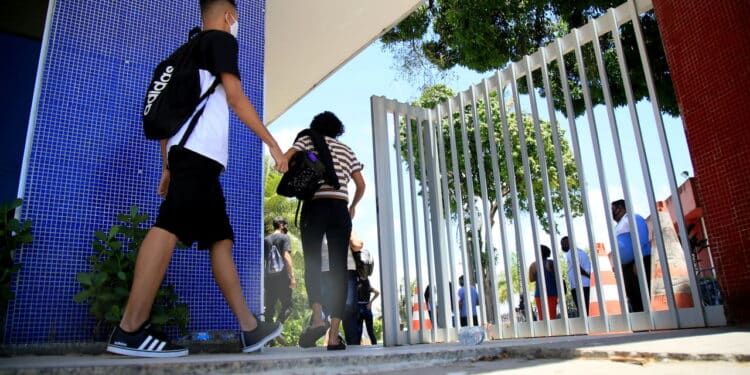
point(415, 313)
point(677, 267)
point(608, 285)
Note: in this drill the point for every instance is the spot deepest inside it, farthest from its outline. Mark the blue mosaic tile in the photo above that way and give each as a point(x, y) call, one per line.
point(90, 161)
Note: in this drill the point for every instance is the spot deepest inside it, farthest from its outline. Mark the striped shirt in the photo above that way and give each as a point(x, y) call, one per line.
point(344, 162)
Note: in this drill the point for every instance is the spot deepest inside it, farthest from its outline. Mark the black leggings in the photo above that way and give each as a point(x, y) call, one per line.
point(327, 218)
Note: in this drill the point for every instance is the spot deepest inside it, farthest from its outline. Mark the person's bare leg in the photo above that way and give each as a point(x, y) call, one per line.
point(226, 276)
point(333, 332)
point(150, 267)
point(317, 315)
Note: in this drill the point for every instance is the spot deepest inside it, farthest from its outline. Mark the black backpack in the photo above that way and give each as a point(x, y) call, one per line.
point(305, 176)
point(175, 92)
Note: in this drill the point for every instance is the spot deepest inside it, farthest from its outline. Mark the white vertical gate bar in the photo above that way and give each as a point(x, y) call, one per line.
point(546, 191)
point(437, 222)
point(471, 202)
point(446, 293)
point(414, 221)
point(500, 201)
point(384, 203)
point(531, 205)
point(617, 267)
point(645, 168)
point(667, 156)
point(615, 134)
point(427, 187)
point(563, 181)
point(489, 245)
point(402, 217)
point(459, 211)
point(582, 182)
point(516, 210)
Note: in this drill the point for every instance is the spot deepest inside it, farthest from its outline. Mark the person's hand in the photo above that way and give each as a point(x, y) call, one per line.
point(164, 183)
point(281, 164)
point(292, 283)
point(369, 306)
point(352, 211)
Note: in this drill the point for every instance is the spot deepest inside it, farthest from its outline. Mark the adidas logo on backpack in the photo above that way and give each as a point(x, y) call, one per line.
point(159, 85)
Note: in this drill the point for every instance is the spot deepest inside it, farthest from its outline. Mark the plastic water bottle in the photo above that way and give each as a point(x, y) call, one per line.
point(471, 335)
point(201, 336)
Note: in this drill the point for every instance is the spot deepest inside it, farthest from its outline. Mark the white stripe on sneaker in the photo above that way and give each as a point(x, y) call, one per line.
point(145, 343)
point(161, 346)
point(153, 345)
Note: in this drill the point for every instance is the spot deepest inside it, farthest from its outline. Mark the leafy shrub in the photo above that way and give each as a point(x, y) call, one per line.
point(106, 287)
point(13, 235)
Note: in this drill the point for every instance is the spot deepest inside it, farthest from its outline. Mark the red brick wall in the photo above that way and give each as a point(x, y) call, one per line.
point(708, 49)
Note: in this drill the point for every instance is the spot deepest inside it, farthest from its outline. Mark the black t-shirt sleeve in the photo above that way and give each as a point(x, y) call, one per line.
point(220, 51)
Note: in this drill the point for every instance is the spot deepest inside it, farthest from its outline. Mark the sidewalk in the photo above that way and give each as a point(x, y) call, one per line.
point(726, 346)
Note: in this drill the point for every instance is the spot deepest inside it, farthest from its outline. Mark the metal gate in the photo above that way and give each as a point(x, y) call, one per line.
point(477, 184)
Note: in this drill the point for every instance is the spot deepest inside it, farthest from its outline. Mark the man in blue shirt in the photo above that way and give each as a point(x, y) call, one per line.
point(463, 303)
point(584, 266)
point(627, 253)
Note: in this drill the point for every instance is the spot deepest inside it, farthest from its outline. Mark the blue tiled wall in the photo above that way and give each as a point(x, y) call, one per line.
point(90, 161)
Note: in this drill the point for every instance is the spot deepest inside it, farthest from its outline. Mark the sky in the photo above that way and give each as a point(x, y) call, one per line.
point(348, 91)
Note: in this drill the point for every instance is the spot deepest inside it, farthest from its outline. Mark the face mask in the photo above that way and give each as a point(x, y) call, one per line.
point(234, 28)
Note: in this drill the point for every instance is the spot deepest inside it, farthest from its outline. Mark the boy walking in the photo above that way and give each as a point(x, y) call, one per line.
point(194, 208)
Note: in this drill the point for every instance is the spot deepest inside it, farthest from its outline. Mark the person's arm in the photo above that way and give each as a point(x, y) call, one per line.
point(242, 107)
point(359, 183)
point(289, 153)
point(532, 272)
point(165, 176)
point(289, 269)
point(376, 294)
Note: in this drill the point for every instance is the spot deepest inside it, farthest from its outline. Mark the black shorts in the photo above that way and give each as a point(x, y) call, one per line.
point(194, 209)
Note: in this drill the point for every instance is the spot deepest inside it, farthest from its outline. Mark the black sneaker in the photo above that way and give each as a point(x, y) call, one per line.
point(263, 333)
point(145, 342)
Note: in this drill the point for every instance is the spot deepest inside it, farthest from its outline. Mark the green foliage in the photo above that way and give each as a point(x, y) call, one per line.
point(107, 287)
point(13, 235)
point(485, 35)
point(436, 94)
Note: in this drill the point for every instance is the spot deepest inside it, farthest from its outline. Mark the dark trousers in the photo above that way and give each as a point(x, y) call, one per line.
point(465, 322)
point(327, 218)
point(351, 311)
point(365, 316)
point(277, 289)
point(632, 289)
point(586, 293)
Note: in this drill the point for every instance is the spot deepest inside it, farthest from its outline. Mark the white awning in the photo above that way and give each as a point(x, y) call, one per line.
point(308, 40)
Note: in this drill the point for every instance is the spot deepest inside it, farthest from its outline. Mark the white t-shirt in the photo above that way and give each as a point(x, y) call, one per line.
point(584, 262)
point(210, 137)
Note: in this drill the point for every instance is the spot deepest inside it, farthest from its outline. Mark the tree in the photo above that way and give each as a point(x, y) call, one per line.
point(436, 94)
point(274, 206)
point(485, 35)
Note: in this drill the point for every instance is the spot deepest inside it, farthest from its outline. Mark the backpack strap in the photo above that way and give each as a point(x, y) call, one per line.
point(296, 214)
point(199, 112)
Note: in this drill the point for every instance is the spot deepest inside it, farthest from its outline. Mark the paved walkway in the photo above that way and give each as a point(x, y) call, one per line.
point(726, 349)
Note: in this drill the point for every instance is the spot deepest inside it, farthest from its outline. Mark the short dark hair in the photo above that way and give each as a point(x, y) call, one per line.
point(619, 203)
point(206, 4)
point(278, 222)
point(545, 251)
point(328, 124)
